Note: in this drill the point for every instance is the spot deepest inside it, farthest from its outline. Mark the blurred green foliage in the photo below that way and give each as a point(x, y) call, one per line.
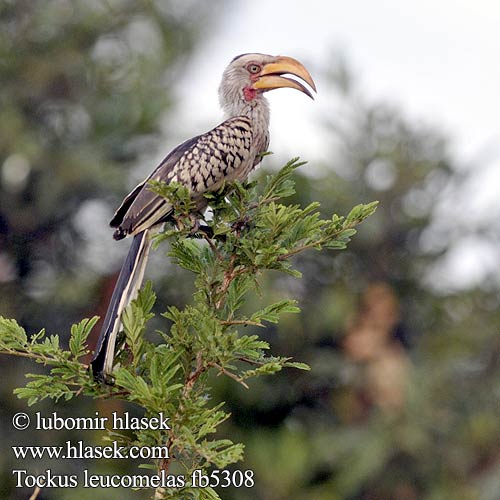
point(83, 86)
point(253, 233)
point(402, 399)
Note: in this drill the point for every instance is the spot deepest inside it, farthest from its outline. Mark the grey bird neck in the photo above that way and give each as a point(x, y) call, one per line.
point(257, 110)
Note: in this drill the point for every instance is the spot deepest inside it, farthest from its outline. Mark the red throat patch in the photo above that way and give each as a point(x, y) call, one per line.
point(249, 93)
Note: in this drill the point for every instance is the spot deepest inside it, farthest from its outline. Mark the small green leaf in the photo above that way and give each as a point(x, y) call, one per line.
point(79, 334)
point(299, 366)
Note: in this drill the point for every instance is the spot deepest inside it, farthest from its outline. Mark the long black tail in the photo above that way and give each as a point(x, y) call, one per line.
point(126, 288)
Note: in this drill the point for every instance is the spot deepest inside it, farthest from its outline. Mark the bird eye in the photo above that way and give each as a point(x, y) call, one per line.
point(254, 68)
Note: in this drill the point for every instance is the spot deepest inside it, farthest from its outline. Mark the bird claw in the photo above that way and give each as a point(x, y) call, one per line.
point(187, 222)
point(195, 224)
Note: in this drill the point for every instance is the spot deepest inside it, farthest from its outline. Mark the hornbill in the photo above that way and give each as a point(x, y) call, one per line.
point(228, 152)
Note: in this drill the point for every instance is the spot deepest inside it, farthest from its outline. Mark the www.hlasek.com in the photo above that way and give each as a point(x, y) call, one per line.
point(79, 450)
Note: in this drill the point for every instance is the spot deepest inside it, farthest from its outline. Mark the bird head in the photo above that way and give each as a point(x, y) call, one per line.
point(248, 76)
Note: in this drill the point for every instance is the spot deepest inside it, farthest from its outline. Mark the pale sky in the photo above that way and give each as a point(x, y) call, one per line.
point(439, 61)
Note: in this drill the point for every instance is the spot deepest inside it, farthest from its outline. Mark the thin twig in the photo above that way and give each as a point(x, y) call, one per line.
point(252, 361)
point(194, 375)
point(245, 322)
point(35, 493)
point(212, 246)
point(188, 386)
point(229, 374)
point(13, 352)
point(112, 394)
point(264, 201)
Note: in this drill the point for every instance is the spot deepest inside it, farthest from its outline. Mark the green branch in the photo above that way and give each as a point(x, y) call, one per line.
point(251, 231)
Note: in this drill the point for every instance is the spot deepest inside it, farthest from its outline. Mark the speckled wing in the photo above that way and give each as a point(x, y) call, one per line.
point(201, 164)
